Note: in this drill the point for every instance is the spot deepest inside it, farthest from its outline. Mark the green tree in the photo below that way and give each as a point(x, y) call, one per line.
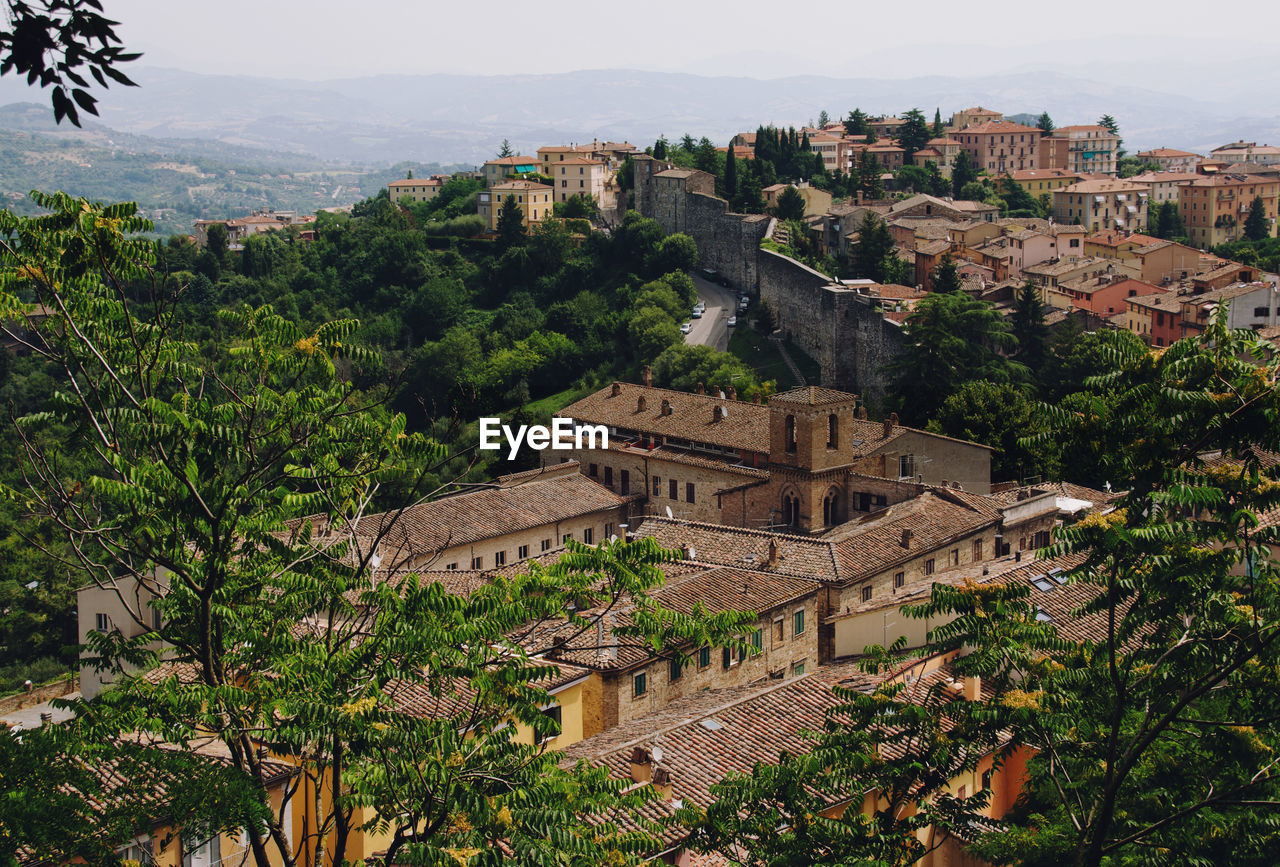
point(1044, 123)
point(946, 277)
point(962, 173)
point(731, 175)
point(1110, 123)
point(660, 148)
point(505, 151)
point(869, 171)
point(939, 128)
point(873, 246)
point(950, 339)
point(1171, 223)
point(54, 42)
point(999, 415)
point(510, 223)
point(1017, 201)
point(1256, 225)
point(856, 123)
point(1029, 328)
point(652, 330)
point(790, 205)
point(914, 132)
point(247, 475)
point(895, 269)
point(823, 119)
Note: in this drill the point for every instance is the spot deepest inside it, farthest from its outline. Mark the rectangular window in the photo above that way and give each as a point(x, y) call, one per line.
point(589, 535)
point(797, 668)
point(977, 550)
point(101, 622)
point(555, 714)
point(522, 552)
point(757, 640)
point(906, 466)
point(608, 531)
point(675, 670)
point(866, 593)
point(591, 470)
point(546, 544)
point(608, 477)
point(626, 482)
point(657, 486)
point(673, 489)
point(639, 685)
point(477, 562)
point(797, 623)
point(1261, 311)
point(500, 559)
point(778, 630)
point(688, 492)
point(564, 540)
point(452, 566)
point(955, 556)
point(928, 566)
point(899, 578)
point(704, 657)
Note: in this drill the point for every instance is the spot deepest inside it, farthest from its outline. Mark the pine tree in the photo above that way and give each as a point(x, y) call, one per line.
point(790, 205)
point(660, 148)
point(505, 151)
point(946, 277)
point(823, 119)
point(914, 133)
point(1030, 328)
point(873, 245)
point(1256, 226)
point(1110, 123)
point(962, 172)
point(869, 170)
point(731, 176)
point(856, 123)
point(939, 129)
point(1045, 124)
point(510, 223)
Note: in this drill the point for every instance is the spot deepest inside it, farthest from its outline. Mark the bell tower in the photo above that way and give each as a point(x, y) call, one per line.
point(811, 428)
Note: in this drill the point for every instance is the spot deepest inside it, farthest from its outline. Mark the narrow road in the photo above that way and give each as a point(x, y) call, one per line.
point(712, 329)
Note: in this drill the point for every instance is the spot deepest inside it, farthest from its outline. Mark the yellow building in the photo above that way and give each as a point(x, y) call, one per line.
point(409, 190)
point(1216, 207)
point(534, 201)
point(1037, 182)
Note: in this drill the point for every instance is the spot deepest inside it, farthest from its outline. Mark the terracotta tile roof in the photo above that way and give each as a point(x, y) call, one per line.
point(811, 395)
point(518, 502)
point(1099, 185)
point(1063, 266)
point(1166, 152)
point(1115, 239)
point(1165, 177)
point(1083, 127)
point(1042, 174)
point(579, 161)
point(512, 161)
point(1164, 301)
point(933, 248)
point(522, 185)
point(897, 290)
point(999, 126)
point(417, 182)
point(1065, 489)
point(1229, 180)
point(797, 556)
point(745, 427)
point(1091, 284)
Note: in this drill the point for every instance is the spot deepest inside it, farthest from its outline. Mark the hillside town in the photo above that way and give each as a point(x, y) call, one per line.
point(813, 512)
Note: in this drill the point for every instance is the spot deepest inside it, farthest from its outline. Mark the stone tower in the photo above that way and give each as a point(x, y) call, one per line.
point(811, 444)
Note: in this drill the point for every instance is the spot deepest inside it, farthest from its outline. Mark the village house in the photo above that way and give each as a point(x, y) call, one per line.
point(972, 117)
point(1102, 204)
point(1164, 186)
point(1039, 182)
point(1000, 146)
point(807, 461)
point(257, 223)
point(941, 151)
point(833, 149)
point(1216, 207)
point(498, 170)
point(1085, 149)
point(1048, 275)
point(1171, 159)
point(576, 176)
point(1154, 317)
point(415, 190)
point(533, 199)
point(1103, 294)
point(816, 201)
point(1246, 152)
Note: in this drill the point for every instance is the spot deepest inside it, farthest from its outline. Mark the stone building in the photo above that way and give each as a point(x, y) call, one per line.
point(806, 462)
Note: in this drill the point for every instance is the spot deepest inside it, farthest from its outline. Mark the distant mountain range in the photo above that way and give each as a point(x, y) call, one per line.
point(380, 120)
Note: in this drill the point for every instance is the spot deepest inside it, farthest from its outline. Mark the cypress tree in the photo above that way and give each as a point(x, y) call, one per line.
point(938, 128)
point(731, 176)
point(1255, 226)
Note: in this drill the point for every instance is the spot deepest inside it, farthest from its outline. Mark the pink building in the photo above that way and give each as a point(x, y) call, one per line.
point(1001, 146)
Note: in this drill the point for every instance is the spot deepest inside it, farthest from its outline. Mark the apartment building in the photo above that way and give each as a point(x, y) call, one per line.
point(1215, 207)
point(534, 200)
point(1084, 149)
point(1103, 204)
point(1171, 159)
point(941, 151)
point(1165, 186)
point(410, 190)
point(497, 171)
point(973, 117)
point(576, 176)
point(1000, 146)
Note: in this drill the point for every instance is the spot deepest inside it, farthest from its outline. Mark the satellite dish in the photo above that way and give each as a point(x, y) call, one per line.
point(657, 754)
point(670, 514)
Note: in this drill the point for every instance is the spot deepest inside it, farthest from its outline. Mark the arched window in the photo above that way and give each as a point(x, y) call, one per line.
point(791, 433)
point(831, 508)
point(833, 431)
point(791, 510)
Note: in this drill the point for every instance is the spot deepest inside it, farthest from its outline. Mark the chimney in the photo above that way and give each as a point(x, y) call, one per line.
point(699, 389)
point(46, 719)
point(617, 389)
point(666, 407)
point(662, 784)
point(861, 412)
point(773, 552)
point(906, 538)
point(973, 688)
point(686, 552)
point(717, 412)
point(641, 765)
point(641, 403)
point(646, 375)
point(756, 398)
point(733, 393)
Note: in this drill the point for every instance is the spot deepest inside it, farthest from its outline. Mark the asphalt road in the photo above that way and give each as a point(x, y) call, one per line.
point(711, 328)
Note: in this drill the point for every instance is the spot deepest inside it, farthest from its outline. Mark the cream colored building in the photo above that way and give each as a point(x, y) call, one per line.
point(576, 176)
point(1164, 186)
point(416, 189)
point(1103, 204)
point(1171, 159)
point(534, 201)
point(973, 117)
point(505, 168)
point(1084, 149)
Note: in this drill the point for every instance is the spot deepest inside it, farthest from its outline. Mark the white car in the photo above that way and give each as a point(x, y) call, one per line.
point(697, 313)
point(686, 328)
point(733, 320)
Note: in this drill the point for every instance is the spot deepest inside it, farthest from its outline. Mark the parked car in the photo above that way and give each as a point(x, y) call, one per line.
point(733, 320)
point(697, 313)
point(686, 328)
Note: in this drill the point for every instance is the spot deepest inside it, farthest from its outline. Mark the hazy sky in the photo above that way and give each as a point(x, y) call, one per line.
point(758, 38)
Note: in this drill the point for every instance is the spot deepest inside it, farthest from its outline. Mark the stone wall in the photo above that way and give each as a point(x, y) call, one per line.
point(838, 327)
